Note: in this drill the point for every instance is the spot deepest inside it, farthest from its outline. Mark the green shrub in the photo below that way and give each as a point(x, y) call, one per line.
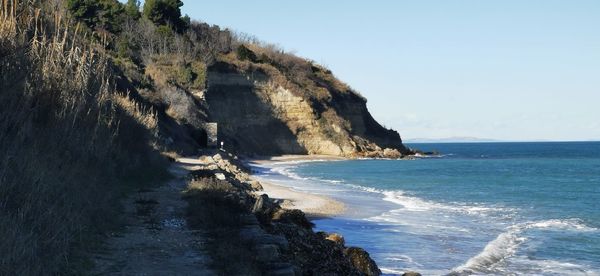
point(199, 70)
point(243, 53)
point(184, 75)
point(132, 9)
point(123, 48)
point(104, 14)
point(165, 12)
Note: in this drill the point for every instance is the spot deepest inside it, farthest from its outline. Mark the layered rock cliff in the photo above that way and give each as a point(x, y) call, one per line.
point(261, 111)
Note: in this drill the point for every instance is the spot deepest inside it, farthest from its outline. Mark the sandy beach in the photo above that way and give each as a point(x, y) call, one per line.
point(292, 157)
point(314, 206)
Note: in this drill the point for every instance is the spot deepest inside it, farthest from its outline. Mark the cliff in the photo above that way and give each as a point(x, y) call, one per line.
point(261, 110)
point(280, 104)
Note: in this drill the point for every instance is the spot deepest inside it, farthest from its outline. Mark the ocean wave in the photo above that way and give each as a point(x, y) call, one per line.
point(506, 244)
point(567, 224)
point(552, 267)
point(410, 203)
point(419, 155)
point(302, 161)
point(494, 256)
point(391, 271)
point(285, 171)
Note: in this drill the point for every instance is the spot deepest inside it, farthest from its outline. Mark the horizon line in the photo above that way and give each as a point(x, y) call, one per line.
point(441, 141)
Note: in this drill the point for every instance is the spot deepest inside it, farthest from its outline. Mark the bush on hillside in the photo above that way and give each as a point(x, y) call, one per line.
point(132, 9)
point(98, 14)
point(165, 12)
point(243, 53)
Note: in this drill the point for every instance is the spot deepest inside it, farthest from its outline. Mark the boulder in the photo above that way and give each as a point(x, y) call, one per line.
point(361, 260)
point(217, 157)
point(255, 185)
point(391, 153)
point(264, 208)
point(372, 154)
point(292, 216)
point(336, 238)
point(411, 273)
point(262, 204)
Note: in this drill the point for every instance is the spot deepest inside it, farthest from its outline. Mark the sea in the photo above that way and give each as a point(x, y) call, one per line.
point(474, 209)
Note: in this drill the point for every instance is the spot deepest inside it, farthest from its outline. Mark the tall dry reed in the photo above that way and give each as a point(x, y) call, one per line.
point(70, 145)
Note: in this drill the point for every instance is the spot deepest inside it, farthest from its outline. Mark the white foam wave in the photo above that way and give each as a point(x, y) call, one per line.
point(412, 203)
point(301, 161)
point(507, 243)
point(552, 267)
point(419, 155)
point(494, 255)
point(568, 224)
point(286, 171)
point(391, 271)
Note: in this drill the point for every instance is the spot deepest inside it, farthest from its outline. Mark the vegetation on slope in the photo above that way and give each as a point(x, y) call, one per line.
point(70, 144)
point(92, 90)
point(167, 59)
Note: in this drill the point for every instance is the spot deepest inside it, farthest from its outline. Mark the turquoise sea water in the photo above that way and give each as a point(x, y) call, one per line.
point(479, 208)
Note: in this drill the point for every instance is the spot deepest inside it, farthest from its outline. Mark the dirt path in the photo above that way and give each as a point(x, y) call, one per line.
point(156, 240)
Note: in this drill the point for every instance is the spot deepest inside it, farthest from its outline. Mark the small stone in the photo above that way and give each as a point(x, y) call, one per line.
point(336, 238)
point(217, 157)
point(220, 176)
point(254, 185)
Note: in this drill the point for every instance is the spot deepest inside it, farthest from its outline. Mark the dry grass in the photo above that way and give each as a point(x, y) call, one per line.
point(302, 76)
point(143, 115)
point(69, 145)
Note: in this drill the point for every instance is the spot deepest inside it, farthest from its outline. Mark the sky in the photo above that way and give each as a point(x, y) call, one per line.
point(506, 70)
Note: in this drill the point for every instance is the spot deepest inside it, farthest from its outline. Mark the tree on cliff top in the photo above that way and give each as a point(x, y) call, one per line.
point(165, 12)
point(102, 14)
point(132, 9)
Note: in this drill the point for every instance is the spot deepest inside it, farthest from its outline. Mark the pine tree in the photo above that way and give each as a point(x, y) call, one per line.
point(132, 9)
point(164, 12)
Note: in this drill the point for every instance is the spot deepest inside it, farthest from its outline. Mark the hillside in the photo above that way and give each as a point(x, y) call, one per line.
point(265, 101)
point(96, 93)
point(260, 110)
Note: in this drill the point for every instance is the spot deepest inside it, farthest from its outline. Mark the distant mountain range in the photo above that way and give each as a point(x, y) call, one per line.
point(467, 139)
point(456, 139)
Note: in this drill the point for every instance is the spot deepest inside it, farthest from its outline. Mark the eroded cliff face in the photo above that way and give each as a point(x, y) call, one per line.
point(258, 114)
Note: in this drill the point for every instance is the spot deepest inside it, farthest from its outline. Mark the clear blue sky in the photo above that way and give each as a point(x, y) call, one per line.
point(504, 69)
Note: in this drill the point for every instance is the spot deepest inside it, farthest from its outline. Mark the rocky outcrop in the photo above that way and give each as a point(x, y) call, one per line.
point(282, 241)
point(258, 113)
point(362, 261)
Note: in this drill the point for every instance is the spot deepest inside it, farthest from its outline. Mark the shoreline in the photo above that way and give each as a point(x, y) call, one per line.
point(294, 157)
point(315, 206)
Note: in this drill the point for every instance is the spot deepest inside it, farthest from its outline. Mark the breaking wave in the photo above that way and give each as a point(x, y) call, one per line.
point(410, 203)
point(507, 243)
